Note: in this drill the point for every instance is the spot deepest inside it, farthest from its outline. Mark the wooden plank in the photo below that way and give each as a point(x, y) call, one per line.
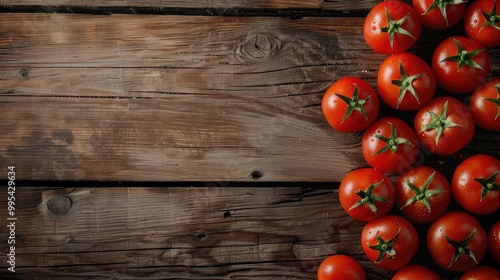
point(181, 98)
point(181, 232)
point(212, 6)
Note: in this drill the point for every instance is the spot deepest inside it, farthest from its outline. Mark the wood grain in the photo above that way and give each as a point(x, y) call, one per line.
point(181, 232)
point(212, 6)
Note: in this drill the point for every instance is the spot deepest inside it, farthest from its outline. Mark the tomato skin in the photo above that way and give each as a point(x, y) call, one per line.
point(458, 226)
point(334, 108)
point(474, 20)
point(417, 212)
point(415, 272)
point(481, 273)
point(387, 227)
point(467, 191)
point(434, 19)
point(482, 105)
point(424, 82)
point(377, 20)
point(453, 138)
point(449, 75)
point(390, 161)
point(494, 242)
point(340, 267)
point(360, 180)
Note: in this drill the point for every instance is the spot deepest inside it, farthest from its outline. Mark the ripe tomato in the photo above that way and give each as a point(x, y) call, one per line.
point(389, 242)
point(340, 267)
point(494, 242)
point(390, 145)
point(476, 185)
point(415, 272)
point(460, 64)
point(444, 125)
point(482, 22)
point(405, 81)
point(366, 194)
point(350, 105)
point(391, 27)
point(422, 194)
point(456, 241)
point(439, 14)
point(481, 273)
point(484, 105)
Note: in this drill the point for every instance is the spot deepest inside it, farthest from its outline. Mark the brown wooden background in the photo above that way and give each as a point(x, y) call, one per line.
point(184, 139)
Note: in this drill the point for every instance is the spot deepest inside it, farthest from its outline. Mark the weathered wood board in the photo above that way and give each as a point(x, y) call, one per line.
point(179, 98)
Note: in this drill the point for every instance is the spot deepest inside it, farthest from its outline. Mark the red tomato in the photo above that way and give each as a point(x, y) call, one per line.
point(482, 22)
point(481, 273)
point(366, 194)
point(422, 194)
point(350, 105)
point(415, 272)
point(389, 242)
point(444, 125)
point(456, 241)
point(484, 105)
point(460, 64)
point(494, 242)
point(476, 185)
point(439, 14)
point(340, 267)
point(405, 81)
point(390, 145)
point(391, 27)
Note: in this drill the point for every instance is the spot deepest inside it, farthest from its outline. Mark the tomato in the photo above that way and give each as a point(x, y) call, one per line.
point(476, 185)
point(439, 14)
point(422, 194)
point(444, 125)
point(481, 273)
point(390, 145)
point(366, 194)
point(484, 105)
point(494, 242)
point(340, 267)
point(391, 27)
point(415, 272)
point(460, 64)
point(456, 241)
point(350, 105)
point(482, 22)
point(389, 242)
point(405, 81)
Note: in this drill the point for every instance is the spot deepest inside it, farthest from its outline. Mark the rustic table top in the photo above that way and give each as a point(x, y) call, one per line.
point(185, 139)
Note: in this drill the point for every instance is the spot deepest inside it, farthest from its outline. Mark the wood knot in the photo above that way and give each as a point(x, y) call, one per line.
point(257, 47)
point(24, 74)
point(59, 204)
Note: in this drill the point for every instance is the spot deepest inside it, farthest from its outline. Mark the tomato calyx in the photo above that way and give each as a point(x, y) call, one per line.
point(353, 103)
point(385, 247)
point(368, 198)
point(422, 194)
point(392, 142)
point(441, 5)
point(439, 123)
point(491, 18)
point(395, 26)
point(496, 101)
point(405, 84)
point(462, 247)
point(464, 58)
point(488, 184)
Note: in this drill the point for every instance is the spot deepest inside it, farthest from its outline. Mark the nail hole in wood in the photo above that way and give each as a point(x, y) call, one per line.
point(59, 204)
point(227, 214)
point(256, 175)
point(202, 236)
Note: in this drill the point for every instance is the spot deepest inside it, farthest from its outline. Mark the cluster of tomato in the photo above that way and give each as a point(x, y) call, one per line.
point(443, 125)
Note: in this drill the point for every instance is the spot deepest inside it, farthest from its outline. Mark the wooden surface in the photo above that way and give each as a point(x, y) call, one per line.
point(184, 139)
